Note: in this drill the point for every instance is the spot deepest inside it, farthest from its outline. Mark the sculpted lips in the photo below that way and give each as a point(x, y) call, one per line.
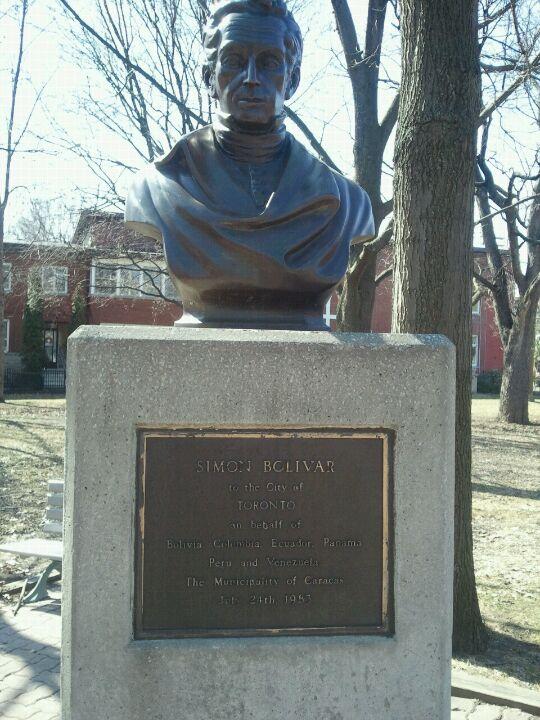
point(251, 100)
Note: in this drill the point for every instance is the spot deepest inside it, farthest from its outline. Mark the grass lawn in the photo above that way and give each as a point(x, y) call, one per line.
point(506, 474)
point(506, 494)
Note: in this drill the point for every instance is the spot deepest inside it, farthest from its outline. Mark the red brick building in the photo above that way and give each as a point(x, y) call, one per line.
point(486, 342)
point(121, 278)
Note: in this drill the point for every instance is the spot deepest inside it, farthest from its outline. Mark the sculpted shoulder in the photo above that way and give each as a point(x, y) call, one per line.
point(140, 212)
point(354, 200)
point(176, 155)
point(359, 208)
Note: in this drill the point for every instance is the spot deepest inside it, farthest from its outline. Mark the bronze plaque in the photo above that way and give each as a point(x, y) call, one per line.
point(251, 532)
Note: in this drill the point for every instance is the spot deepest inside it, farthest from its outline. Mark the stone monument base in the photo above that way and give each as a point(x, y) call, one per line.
point(123, 379)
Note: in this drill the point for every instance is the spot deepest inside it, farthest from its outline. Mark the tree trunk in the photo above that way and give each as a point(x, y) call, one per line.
point(532, 368)
point(358, 295)
point(433, 213)
point(518, 362)
point(2, 356)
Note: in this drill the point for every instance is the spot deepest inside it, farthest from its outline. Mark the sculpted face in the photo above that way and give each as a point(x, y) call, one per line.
point(252, 75)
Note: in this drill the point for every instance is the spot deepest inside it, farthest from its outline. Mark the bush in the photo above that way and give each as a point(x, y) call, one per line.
point(33, 353)
point(78, 310)
point(489, 383)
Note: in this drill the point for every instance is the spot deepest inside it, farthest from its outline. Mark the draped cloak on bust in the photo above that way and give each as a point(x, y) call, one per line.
point(235, 264)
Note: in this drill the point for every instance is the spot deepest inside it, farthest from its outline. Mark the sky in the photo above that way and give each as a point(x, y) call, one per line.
point(47, 169)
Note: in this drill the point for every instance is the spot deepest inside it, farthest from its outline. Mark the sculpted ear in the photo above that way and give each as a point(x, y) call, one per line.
point(294, 82)
point(209, 79)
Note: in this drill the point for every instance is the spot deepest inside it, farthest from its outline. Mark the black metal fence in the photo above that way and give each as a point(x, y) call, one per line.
point(49, 380)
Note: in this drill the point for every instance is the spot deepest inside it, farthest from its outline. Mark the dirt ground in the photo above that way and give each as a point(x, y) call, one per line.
point(31, 454)
point(506, 491)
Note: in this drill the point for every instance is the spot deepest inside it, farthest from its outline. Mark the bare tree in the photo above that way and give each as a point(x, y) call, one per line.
point(510, 41)
point(148, 52)
point(502, 25)
point(46, 221)
point(519, 204)
point(14, 134)
point(371, 136)
point(433, 212)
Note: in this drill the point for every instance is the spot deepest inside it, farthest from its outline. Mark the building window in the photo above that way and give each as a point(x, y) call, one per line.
point(128, 282)
point(475, 353)
point(168, 289)
point(5, 335)
point(54, 280)
point(150, 283)
point(7, 277)
point(103, 280)
point(476, 308)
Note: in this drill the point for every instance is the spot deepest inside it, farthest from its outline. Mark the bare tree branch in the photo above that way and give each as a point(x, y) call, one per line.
point(383, 275)
point(14, 90)
point(491, 19)
point(483, 281)
point(510, 90)
point(506, 208)
point(133, 66)
point(315, 144)
point(389, 121)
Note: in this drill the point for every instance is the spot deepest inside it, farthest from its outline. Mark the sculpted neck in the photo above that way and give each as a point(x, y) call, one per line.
point(244, 145)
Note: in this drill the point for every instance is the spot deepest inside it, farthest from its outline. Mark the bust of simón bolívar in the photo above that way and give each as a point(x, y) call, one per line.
point(256, 230)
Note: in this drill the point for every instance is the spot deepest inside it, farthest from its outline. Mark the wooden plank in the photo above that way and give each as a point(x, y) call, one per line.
point(465, 685)
point(55, 499)
point(53, 528)
point(56, 486)
point(54, 513)
point(34, 547)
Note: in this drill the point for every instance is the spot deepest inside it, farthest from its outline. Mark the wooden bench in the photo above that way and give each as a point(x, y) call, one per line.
point(48, 548)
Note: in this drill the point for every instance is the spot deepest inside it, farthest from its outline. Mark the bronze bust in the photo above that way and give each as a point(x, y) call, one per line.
point(256, 230)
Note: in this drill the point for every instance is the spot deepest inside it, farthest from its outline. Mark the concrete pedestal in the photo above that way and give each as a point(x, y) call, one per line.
point(122, 377)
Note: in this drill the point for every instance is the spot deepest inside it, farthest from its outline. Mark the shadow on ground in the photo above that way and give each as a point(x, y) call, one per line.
point(40, 659)
point(504, 653)
point(506, 490)
point(520, 444)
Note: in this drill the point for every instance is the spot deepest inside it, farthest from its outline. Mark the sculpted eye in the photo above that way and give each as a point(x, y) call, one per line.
point(232, 60)
point(269, 62)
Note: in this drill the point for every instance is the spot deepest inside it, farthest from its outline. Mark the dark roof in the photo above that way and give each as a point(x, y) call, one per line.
point(107, 231)
point(35, 250)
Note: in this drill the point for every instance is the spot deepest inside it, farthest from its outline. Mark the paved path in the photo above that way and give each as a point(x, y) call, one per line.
point(30, 666)
point(30, 662)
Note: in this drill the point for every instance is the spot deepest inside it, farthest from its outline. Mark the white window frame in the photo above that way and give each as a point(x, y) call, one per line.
point(8, 269)
point(164, 278)
point(96, 291)
point(328, 316)
point(149, 276)
point(65, 278)
point(145, 281)
point(5, 335)
point(476, 351)
point(476, 308)
point(124, 292)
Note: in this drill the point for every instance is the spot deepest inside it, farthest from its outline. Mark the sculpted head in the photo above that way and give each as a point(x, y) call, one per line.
point(254, 52)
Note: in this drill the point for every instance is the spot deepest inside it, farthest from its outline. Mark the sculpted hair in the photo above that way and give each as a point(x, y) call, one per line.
point(277, 8)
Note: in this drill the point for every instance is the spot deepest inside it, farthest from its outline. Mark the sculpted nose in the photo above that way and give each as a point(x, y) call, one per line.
point(251, 76)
